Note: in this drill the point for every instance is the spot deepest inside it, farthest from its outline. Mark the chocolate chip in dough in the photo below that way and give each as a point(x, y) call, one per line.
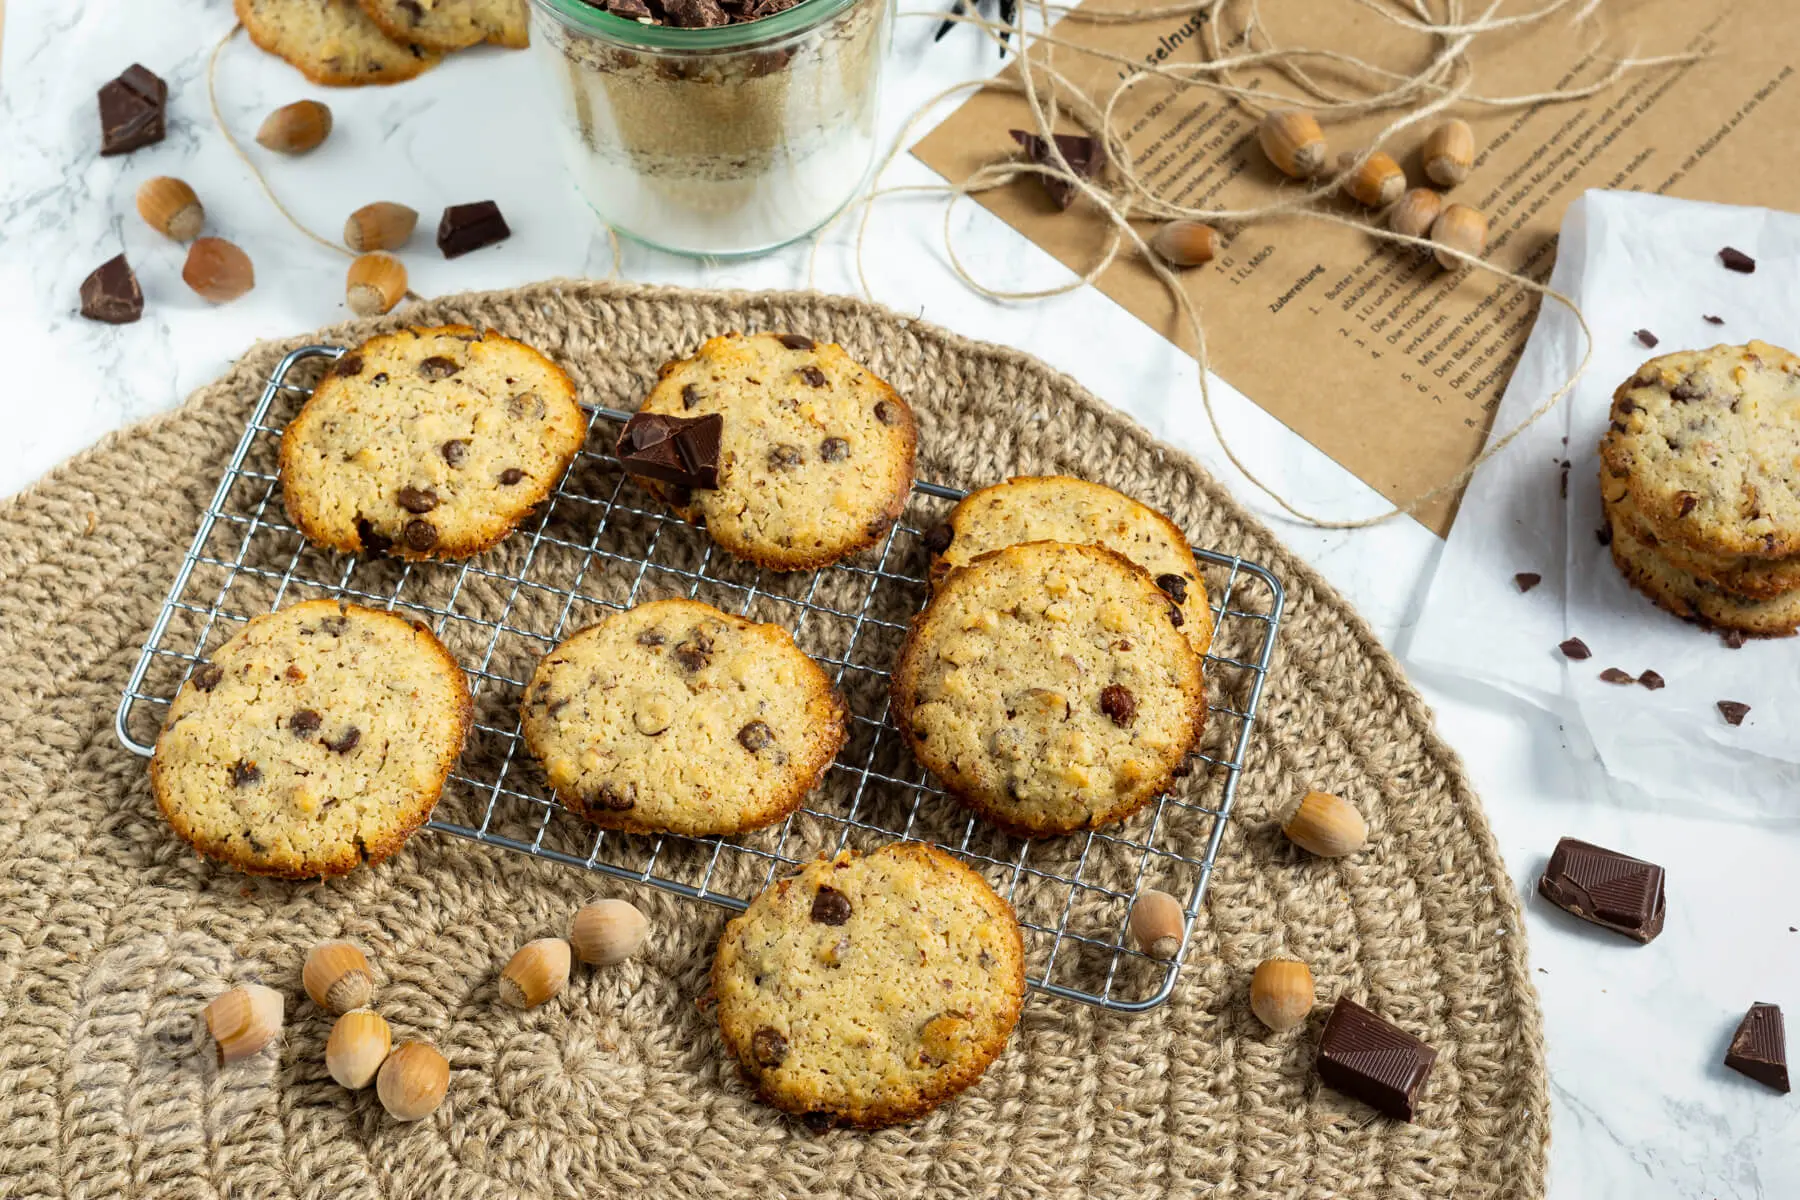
point(437, 367)
point(511, 476)
point(834, 449)
point(1689, 501)
point(417, 500)
point(690, 395)
point(754, 736)
point(651, 637)
point(938, 537)
point(350, 364)
point(305, 723)
point(887, 412)
point(613, 800)
point(830, 907)
point(695, 652)
point(813, 376)
point(208, 676)
point(244, 773)
point(1175, 617)
point(794, 341)
point(454, 451)
point(420, 534)
point(345, 741)
point(373, 543)
point(1175, 586)
point(784, 457)
point(1117, 702)
point(768, 1047)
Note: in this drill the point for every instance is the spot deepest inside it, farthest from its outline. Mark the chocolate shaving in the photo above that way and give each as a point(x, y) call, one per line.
point(1646, 339)
point(1734, 711)
point(1736, 260)
point(1526, 580)
point(1575, 648)
point(1651, 680)
point(1615, 675)
point(1712, 320)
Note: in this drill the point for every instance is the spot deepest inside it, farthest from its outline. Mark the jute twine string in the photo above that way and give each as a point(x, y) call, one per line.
point(1442, 83)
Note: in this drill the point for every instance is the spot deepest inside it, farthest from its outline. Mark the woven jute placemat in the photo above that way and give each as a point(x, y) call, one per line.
point(113, 935)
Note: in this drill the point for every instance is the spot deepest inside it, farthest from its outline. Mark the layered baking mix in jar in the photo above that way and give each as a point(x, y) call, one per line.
point(716, 127)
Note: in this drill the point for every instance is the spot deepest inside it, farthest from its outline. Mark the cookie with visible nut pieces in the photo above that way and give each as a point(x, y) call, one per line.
point(675, 717)
point(429, 443)
point(815, 456)
point(331, 42)
point(869, 989)
point(316, 739)
point(452, 24)
point(1707, 445)
point(1048, 687)
point(1694, 600)
point(1741, 576)
point(1057, 508)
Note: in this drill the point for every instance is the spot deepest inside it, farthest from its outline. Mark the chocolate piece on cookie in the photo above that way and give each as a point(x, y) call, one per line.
point(869, 989)
point(331, 42)
point(452, 24)
point(316, 739)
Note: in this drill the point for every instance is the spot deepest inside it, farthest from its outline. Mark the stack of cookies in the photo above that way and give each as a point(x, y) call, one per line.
point(345, 43)
point(1700, 477)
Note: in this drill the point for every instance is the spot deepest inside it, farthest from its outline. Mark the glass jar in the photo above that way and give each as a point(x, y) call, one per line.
point(721, 142)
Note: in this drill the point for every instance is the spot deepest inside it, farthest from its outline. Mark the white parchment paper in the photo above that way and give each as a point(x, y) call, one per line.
point(1632, 262)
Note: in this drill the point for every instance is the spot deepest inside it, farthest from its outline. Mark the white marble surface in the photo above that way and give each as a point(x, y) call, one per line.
point(1642, 1107)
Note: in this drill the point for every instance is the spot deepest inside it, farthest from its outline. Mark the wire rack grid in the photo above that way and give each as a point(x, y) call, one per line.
point(597, 546)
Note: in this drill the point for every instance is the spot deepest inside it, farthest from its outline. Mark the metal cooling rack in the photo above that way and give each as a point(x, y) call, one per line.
point(600, 545)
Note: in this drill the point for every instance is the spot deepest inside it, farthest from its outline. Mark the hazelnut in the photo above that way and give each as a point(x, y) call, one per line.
point(295, 128)
point(1326, 826)
point(1184, 243)
point(1459, 227)
point(1449, 153)
point(337, 977)
point(1281, 993)
point(536, 973)
point(170, 207)
point(1413, 214)
point(1157, 923)
point(218, 270)
point(1377, 183)
point(412, 1081)
point(607, 932)
point(358, 1045)
point(244, 1020)
point(376, 282)
point(379, 226)
point(1293, 141)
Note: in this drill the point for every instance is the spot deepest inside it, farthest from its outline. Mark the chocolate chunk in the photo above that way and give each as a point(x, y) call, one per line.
point(525, 404)
point(1175, 617)
point(830, 907)
point(1759, 1048)
point(690, 395)
point(511, 476)
point(1083, 154)
point(420, 534)
point(132, 111)
point(695, 14)
point(1603, 535)
point(834, 449)
point(1605, 887)
point(305, 723)
point(454, 451)
point(373, 543)
point(1734, 711)
point(1526, 580)
point(631, 10)
point(651, 637)
point(1574, 648)
point(813, 376)
point(695, 652)
point(1733, 639)
point(417, 500)
point(784, 457)
point(683, 451)
point(438, 367)
point(768, 1047)
point(794, 341)
point(1687, 391)
point(345, 741)
point(466, 227)
point(613, 800)
point(938, 537)
point(1736, 260)
point(1175, 586)
point(348, 365)
point(208, 676)
point(1651, 680)
point(1117, 702)
point(244, 773)
point(379, 378)
point(887, 412)
point(1371, 1060)
point(1615, 675)
point(1712, 320)
point(1645, 338)
point(754, 736)
point(1563, 481)
point(111, 293)
point(1688, 503)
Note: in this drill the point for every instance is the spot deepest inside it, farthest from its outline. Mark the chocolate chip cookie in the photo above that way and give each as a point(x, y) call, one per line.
point(1049, 688)
point(331, 42)
point(452, 24)
point(870, 989)
point(815, 452)
point(1056, 508)
point(429, 443)
point(1745, 577)
point(316, 739)
point(1694, 600)
point(1707, 445)
point(675, 717)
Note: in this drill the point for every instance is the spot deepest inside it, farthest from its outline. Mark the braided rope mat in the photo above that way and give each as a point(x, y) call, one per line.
point(113, 935)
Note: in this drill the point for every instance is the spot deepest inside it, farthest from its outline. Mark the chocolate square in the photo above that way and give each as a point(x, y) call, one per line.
point(683, 451)
point(1759, 1048)
point(111, 293)
point(466, 227)
point(1371, 1060)
point(132, 111)
point(1605, 887)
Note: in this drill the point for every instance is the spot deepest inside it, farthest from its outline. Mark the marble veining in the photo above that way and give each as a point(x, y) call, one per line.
point(1642, 1106)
